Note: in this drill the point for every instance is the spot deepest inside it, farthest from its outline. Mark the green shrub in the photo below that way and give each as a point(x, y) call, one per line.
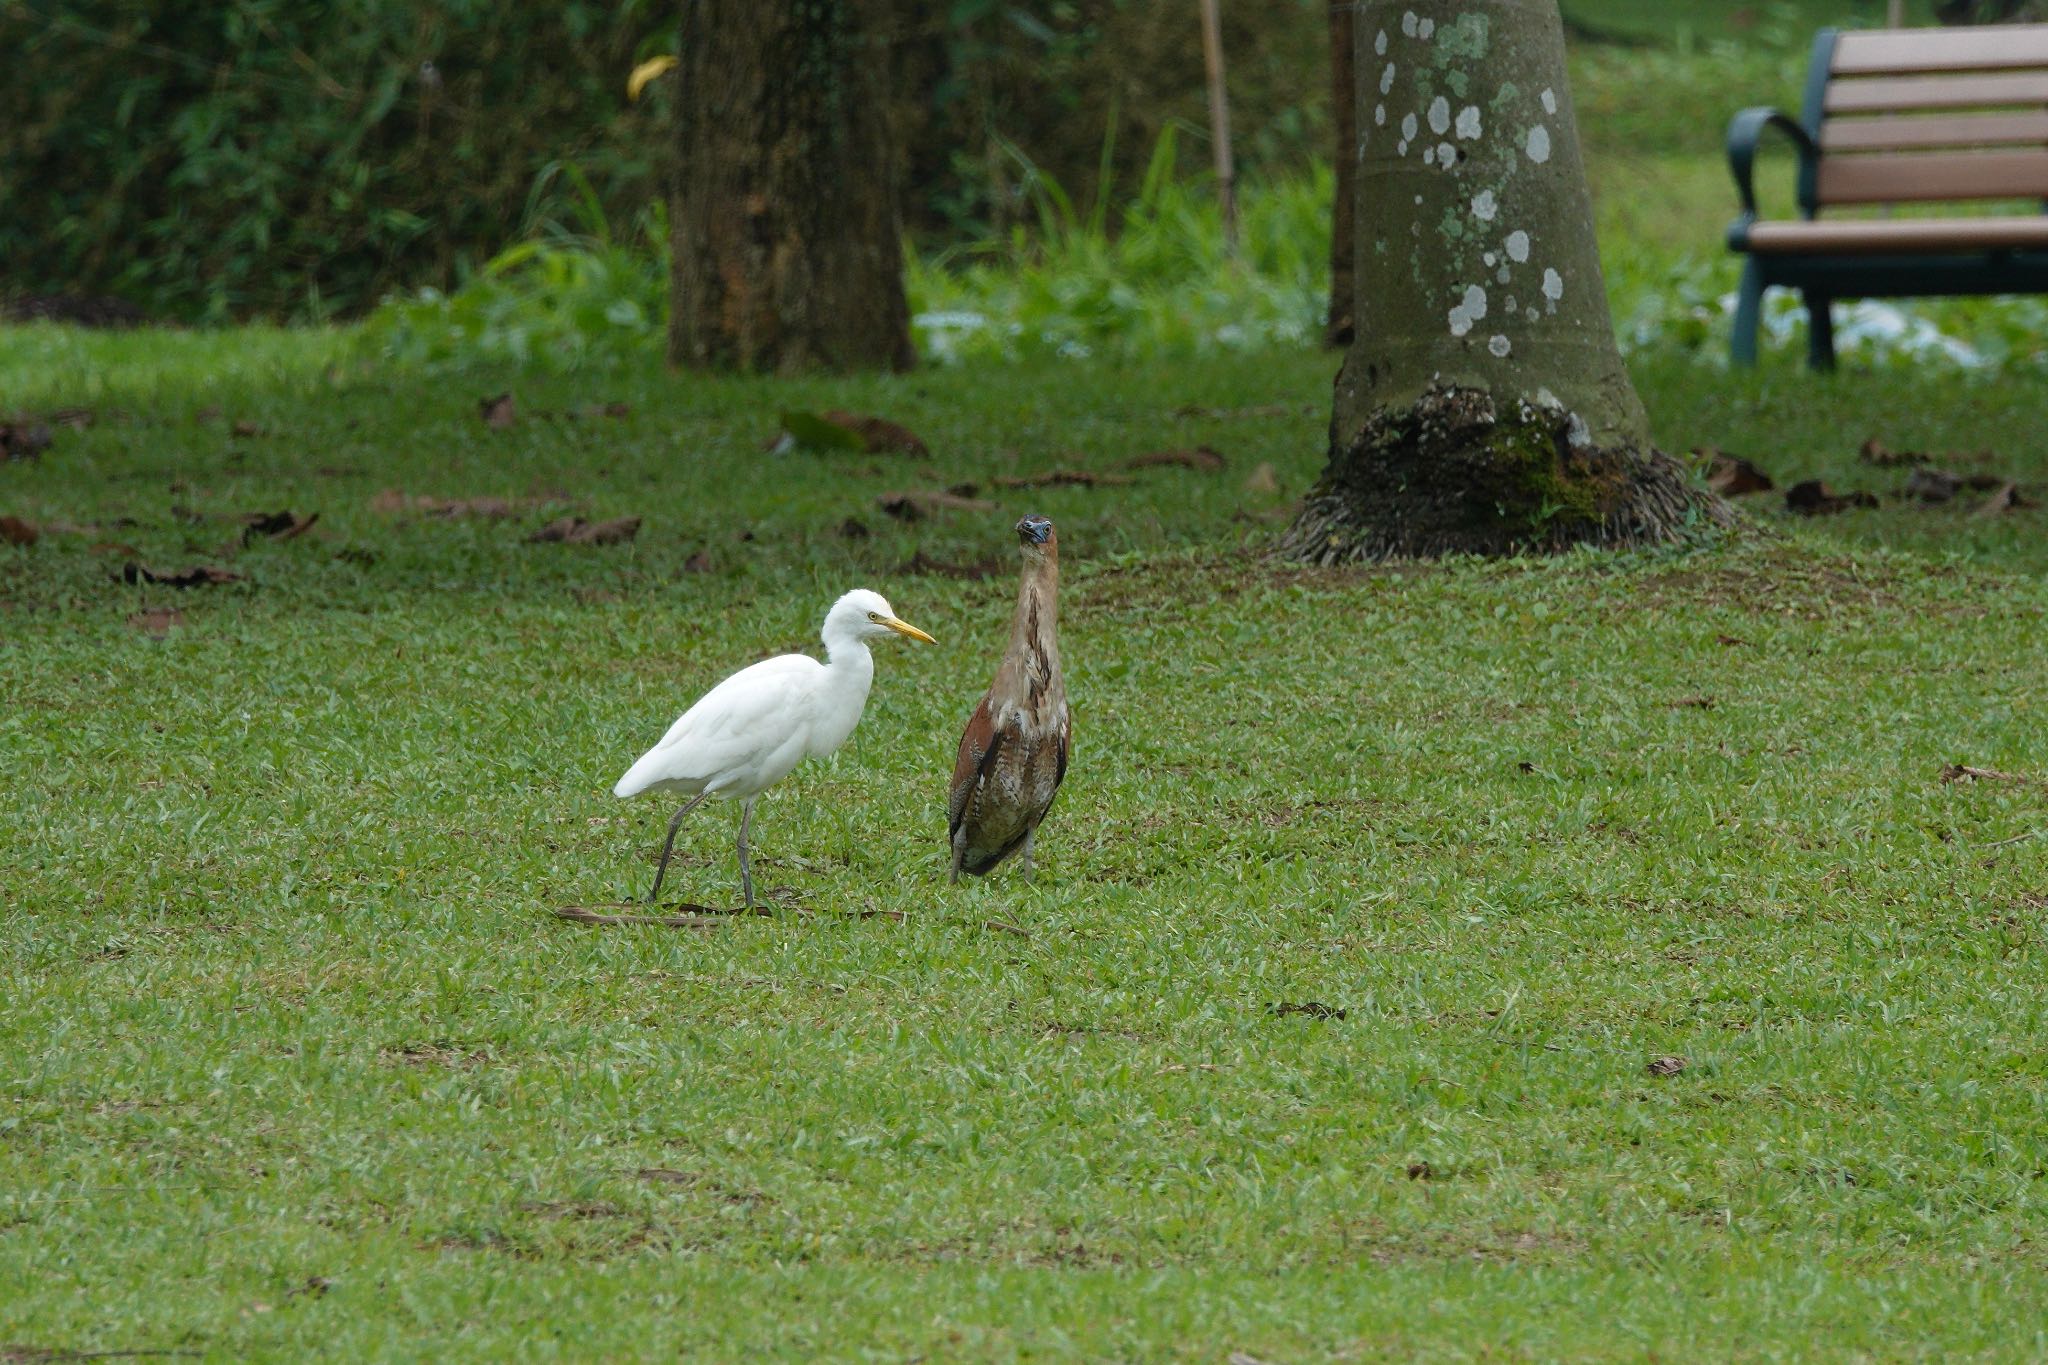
point(261, 156)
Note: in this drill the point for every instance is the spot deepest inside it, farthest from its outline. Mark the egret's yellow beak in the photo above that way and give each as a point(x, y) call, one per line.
point(905, 628)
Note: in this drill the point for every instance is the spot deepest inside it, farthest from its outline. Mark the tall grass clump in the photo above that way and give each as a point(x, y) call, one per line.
point(572, 292)
point(1162, 283)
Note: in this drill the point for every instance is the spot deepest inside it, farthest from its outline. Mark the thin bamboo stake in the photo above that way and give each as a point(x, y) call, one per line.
point(1219, 120)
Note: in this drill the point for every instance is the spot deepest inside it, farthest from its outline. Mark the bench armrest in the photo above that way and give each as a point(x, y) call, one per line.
point(1745, 131)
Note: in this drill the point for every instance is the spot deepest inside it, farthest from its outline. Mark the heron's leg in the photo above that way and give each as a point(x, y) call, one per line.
point(669, 846)
point(746, 873)
point(959, 853)
point(1029, 839)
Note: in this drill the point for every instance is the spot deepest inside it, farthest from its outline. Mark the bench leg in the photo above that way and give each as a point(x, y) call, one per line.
point(1820, 332)
point(1748, 310)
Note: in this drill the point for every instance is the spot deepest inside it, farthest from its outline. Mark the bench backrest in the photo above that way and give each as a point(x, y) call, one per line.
point(1912, 115)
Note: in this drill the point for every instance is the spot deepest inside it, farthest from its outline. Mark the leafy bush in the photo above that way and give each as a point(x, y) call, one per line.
point(220, 160)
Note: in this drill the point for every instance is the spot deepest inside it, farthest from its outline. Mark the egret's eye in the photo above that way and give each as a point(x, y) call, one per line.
point(874, 616)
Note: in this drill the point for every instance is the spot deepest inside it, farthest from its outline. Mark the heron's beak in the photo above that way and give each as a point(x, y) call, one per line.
point(905, 628)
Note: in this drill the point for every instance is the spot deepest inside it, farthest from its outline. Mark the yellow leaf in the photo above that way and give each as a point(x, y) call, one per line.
point(646, 72)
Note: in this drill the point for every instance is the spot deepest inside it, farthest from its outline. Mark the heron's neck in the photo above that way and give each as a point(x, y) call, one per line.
point(846, 655)
point(1036, 628)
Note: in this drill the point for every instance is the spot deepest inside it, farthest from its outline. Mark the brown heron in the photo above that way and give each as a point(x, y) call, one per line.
point(1014, 752)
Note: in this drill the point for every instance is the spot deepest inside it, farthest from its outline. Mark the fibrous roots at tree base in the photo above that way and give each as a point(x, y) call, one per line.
point(1461, 472)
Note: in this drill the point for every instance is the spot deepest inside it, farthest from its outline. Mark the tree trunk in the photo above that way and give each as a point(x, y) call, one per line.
point(1482, 406)
point(785, 231)
point(1344, 120)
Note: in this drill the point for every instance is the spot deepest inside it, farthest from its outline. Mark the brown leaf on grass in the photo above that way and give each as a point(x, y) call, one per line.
point(699, 562)
point(1696, 703)
point(2008, 498)
point(882, 436)
point(198, 576)
point(916, 506)
point(1730, 475)
point(1204, 458)
point(1931, 485)
point(498, 411)
point(392, 501)
point(1962, 772)
point(1730, 641)
point(853, 528)
point(577, 531)
point(1874, 451)
point(1057, 478)
point(1812, 498)
point(1314, 1009)
point(615, 408)
point(275, 525)
point(245, 427)
point(210, 413)
point(1666, 1066)
point(922, 563)
point(1263, 480)
point(157, 621)
point(23, 438)
point(1420, 1170)
point(78, 419)
point(15, 531)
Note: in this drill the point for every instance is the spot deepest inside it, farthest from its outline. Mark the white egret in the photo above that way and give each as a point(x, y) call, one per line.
point(1013, 754)
point(747, 733)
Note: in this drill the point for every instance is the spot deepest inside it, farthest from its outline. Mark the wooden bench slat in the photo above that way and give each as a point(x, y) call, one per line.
point(1898, 133)
point(1916, 178)
point(1899, 236)
point(1902, 51)
point(1888, 94)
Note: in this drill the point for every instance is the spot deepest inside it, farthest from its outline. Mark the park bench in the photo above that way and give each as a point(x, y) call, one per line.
point(1904, 116)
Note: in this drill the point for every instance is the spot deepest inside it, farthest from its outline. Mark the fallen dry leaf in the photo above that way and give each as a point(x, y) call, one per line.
point(880, 435)
point(699, 562)
point(1932, 485)
point(1264, 480)
point(1314, 1009)
point(916, 506)
point(157, 621)
point(198, 576)
point(23, 438)
point(2007, 498)
point(1197, 457)
point(1420, 1170)
point(853, 528)
point(275, 525)
point(1812, 498)
point(1695, 703)
point(1732, 476)
point(1730, 640)
point(1058, 478)
point(1874, 451)
point(245, 427)
point(393, 501)
point(922, 563)
point(577, 531)
point(498, 411)
point(210, 413)
point(15, 531)
point(1666, 1066)
point(1962, 772)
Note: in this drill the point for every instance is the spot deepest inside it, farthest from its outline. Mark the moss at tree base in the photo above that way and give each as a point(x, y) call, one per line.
point(1460, 473)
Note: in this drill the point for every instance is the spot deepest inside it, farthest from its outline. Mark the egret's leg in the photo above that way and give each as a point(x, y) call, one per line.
point(669, 846)
point(1029, 839)
point(746, 873)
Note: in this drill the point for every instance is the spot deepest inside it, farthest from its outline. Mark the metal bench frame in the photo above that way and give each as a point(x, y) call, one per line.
point(1822, 278)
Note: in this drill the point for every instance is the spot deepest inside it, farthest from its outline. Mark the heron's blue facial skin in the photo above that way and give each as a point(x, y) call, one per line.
point(1037, 530)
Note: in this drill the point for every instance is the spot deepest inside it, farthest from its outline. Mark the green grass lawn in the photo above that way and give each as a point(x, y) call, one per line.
point(298, 1063)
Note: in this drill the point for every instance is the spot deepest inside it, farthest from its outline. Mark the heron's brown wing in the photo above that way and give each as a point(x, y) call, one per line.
point(977, 745)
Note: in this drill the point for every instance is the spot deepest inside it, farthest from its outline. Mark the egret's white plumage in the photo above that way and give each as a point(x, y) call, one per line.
point(750, 731)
